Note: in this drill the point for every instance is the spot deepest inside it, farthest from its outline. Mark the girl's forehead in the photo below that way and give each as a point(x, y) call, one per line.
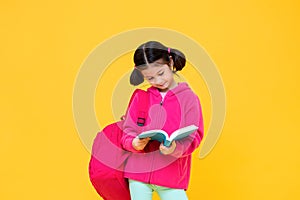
point(156, 64)
point(153, 69)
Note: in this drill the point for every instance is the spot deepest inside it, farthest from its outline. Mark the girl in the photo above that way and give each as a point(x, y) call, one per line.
point(152, 166)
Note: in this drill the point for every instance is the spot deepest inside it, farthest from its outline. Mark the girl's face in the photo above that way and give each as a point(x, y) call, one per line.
point(160, 75)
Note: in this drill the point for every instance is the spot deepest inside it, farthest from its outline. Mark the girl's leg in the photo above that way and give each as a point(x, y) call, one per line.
point(139, 190)
point(170, 193)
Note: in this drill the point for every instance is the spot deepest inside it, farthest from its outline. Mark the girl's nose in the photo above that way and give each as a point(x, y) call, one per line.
point(159, 81)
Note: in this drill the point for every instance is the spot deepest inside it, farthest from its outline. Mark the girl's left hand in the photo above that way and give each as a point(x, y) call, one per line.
point(167, 150)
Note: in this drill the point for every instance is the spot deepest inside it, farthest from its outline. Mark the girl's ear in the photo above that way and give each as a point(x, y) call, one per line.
point(171, 63)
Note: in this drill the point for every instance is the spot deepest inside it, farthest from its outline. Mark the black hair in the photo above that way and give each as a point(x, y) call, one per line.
point(150, 52)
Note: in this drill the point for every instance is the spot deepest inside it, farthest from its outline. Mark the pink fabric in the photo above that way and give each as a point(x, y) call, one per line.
point(180, 108)
point(106, 165)
point(106, 174)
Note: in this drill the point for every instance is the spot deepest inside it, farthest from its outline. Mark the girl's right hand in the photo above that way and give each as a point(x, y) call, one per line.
point(139, 144)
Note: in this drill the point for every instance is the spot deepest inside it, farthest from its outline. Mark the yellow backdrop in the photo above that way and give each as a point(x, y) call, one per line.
point(255, 45)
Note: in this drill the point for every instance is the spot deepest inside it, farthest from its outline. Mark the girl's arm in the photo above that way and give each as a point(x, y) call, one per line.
point(193, 115)
point(130, 127)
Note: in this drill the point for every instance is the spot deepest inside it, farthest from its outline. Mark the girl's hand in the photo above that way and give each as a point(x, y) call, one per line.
point(139, 144)
point(167, 150)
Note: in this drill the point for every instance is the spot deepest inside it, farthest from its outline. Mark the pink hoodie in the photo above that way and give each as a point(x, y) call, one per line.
point(179, 108)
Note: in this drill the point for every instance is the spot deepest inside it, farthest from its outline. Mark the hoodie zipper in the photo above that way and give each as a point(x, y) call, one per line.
point(163, 98)
point(153, 158)
point(151, 172)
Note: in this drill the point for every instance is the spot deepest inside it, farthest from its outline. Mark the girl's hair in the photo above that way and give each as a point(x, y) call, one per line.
point(150, 52)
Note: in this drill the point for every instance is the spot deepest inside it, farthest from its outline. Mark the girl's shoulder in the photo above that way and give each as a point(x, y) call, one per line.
point(183, 88)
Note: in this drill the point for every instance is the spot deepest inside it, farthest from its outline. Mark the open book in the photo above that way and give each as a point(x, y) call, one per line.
point(162, 136)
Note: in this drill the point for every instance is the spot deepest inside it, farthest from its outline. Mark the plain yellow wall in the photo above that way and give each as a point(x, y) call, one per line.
point(255, 45)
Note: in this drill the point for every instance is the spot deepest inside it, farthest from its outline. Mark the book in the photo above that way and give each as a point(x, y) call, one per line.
point(162, 136)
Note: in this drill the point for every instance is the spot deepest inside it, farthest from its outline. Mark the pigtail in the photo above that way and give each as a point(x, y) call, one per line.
point(178, 59)
point(136, 77)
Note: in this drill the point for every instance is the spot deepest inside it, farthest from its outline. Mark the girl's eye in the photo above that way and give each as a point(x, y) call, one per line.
point(151, 78)
point(161, 74)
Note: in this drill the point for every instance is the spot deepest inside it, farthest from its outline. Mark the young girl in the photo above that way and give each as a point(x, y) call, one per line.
point(153, 166)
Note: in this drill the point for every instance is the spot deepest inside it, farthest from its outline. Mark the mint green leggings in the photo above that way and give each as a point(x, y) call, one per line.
point(144, 191)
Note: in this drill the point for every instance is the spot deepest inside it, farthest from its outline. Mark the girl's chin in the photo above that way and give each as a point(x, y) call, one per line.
point(163, 89)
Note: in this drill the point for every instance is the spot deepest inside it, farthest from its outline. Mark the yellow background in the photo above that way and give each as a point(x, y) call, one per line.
point(255, 45)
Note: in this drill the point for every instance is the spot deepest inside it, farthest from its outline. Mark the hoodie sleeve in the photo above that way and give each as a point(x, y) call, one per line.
point(192, 115)
point(130, 128)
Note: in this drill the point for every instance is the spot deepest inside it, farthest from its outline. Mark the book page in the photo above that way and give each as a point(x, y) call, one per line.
point(183, 132)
